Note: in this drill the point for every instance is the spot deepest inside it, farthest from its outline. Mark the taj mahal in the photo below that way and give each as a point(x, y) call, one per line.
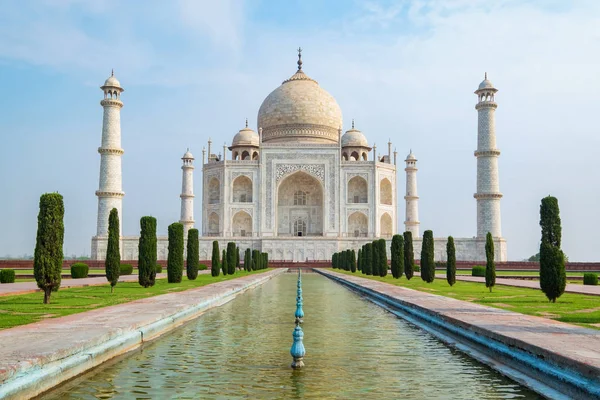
point(298, 187)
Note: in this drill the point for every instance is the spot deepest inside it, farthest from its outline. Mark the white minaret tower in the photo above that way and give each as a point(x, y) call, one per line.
point(412, 197)
point(187, 193)
point(110, 192)
point(488, 188)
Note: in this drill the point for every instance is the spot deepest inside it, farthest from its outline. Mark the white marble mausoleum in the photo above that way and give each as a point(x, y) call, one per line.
point(299, 187)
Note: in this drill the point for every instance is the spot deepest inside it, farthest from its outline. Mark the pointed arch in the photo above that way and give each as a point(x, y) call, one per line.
point(242, 189)
point(358, 190)
point(242, 224)
point(214, 191)
point(385, 192)
point(214, 224)
point(358, 224)
point(300, 205)
point(386, 226)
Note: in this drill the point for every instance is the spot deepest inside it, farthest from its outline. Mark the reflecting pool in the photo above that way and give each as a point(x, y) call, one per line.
point(354, 350)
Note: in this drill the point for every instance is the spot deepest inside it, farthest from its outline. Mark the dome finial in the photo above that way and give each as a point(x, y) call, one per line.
point(485, 75)
point(246, 122)
point(352, 123)
point(112, 72)
point(299, 58)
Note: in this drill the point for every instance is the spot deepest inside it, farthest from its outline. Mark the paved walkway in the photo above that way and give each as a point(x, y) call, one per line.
point(8, 289)
point(571, 288)
point(567, 345)
point(37, 356)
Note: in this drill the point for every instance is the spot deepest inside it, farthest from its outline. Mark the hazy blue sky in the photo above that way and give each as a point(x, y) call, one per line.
point(405, 70)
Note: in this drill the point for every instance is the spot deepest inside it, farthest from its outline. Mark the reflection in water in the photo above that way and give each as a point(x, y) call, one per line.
point(354, 350)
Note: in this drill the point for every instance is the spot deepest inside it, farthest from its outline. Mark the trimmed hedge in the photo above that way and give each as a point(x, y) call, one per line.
point(147, 252)
point(112, 263)
point(7, 276)
point(202, 267)
point(158, 268)
point(79, 270)
point(590, 279)
point(175, 256)
point(478, 270)
point(192, 262)
point(126, 269)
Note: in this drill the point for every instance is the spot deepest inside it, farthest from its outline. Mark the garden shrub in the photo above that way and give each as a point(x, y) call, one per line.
point(112, 263)
point(158, 268)
point(590, 279)
point(147, 252)
point(175, 256)
point(126, 269)
point(7, 276)
point(478, 270)
point(79, 270)
point(48, 254)
point(192, 262)
point(202, 267)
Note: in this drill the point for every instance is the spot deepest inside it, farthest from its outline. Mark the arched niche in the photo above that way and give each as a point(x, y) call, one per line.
point(358, 224)
point(358, 190)
point(242, 224)
point(213, 224)
point(242, 190)
point(386, 227)
point(300, 206)
point(214, 191)
point(385, 192)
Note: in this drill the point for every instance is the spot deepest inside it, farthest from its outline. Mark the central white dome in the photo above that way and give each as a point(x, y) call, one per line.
point(301, 111)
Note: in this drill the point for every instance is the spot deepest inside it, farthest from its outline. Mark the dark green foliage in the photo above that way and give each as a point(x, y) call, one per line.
point(48, 255)
point(202, 267)
point(588, 279)
point(193, 255)
point(231, 258)
point(451, 263)
point(383, 260)
point(368, 259)
point(490, 265)
point(478, 270)
point(397, 256)
point(266, 260)
point(417, 268)
point(158, 268)
point(333, 260)
point(375, 257)
point(214, 265)
point(427, 263)
point(352, 261)
point(224, 265)
point(237, 258)
point(343, 260)
point(255, 257)
point(112, 263)
point(79, 270)
point(7, 276)
point(248, 260)
point(359, 260)
point(409, 256)
point(125, 269)
point(147, 252)
point(175, 256)
point(553, 277)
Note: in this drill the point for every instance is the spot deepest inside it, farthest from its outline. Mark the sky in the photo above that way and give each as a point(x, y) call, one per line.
point(404, 70)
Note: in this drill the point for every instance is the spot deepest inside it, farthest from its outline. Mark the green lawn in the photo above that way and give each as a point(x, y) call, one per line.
point(503, 272)
point(27, 308)
point(572, 308)
point(64, 271)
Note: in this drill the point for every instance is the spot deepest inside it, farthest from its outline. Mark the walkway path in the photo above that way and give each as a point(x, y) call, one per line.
point(8, 289)
point(569, 346)
point(38, 356)
point(571, 288)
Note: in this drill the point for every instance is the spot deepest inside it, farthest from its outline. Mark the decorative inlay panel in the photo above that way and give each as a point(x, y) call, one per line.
point(318, 171)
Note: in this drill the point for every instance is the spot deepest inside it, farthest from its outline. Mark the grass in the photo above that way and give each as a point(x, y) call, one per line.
point(506, 272)
point(28, 308)
point(577, 309)
point(64, 271)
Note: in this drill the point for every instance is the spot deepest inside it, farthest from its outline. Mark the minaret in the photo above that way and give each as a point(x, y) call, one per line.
point(411, 224)
point(187, 193)
point(110, 193)
point(488, 189)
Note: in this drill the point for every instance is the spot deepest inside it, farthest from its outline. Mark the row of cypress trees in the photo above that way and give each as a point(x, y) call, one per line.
point(345, 260)
point(230, 260)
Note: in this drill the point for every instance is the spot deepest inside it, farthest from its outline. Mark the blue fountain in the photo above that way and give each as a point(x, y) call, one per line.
point(297, 351)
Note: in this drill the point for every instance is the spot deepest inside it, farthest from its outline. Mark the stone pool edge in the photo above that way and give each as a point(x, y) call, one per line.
point(548, 374)
point(31, 378)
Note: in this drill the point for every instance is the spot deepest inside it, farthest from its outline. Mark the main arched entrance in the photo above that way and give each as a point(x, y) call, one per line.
point(300, 206)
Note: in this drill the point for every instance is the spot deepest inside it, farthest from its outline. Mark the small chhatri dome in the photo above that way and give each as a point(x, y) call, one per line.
point(188, 155)
point(486, 84)
point(411, 156)
point(245, 137)
point(112, 81)
point(300, 110)
point(354, 138)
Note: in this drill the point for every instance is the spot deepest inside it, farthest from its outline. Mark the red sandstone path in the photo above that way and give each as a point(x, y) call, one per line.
point(9, 289)
point(571, 288)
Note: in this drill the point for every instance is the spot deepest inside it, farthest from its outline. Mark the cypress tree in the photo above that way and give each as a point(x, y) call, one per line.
point(147, 252)
point(397, 256)
point(224, 266)
point(490, 265)
point(375, 258)
point(383, 260)
point(427, 263)
point(231, 255)
point(237, 258)
point(248, 260)
point(214, 264)
point(112, 264)
point(552, 259)
point(368, 259)
point(362, 261)
point(352, 260)
point(255, 255)
point(451, 263)
point(343, 260)
point(409, 255)
point(175, 256)
point(359, 260)
point(266, 260)
point(48, 255)
point(333, 260)
point(193, 255)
